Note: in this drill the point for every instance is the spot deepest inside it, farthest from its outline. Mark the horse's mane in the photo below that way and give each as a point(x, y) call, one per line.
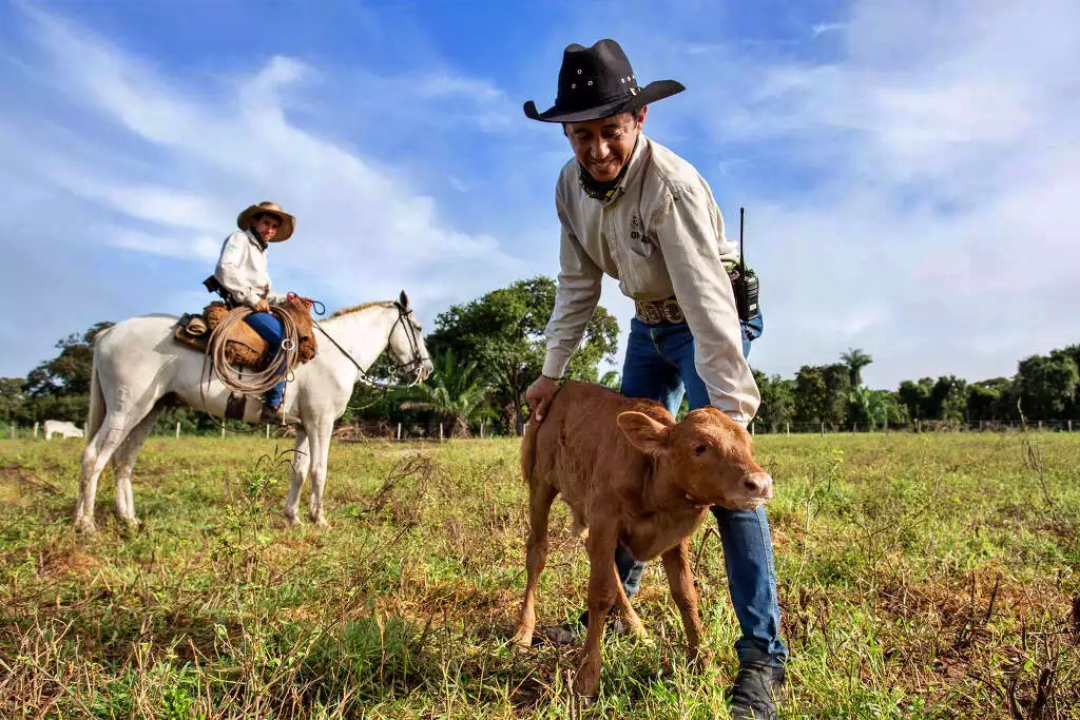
point(361, 306)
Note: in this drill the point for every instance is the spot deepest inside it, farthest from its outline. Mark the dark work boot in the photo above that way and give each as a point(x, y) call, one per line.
point(271, 416)
point(565, 634)
point(759, 687)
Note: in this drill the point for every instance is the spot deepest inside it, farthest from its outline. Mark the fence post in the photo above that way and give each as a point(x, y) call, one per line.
point(35, 429)
point(751, 429)
point(787, 428)
point(399, 431)
point(222, 431)
point(1070, 427)
point(822, 429)
point(267, 431)
point(886, 425)
point(481, 429)
point(1040, 424)
point(854, 427)
point(440, 432)
point(11, 430)
point(178, 430)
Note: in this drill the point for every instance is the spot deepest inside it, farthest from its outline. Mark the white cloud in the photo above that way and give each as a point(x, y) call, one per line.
point(825, 27)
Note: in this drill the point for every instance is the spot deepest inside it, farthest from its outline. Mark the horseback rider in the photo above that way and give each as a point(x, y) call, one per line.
point(243, 279)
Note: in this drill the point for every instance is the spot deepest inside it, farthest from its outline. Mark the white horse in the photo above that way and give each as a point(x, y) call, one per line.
point(139, 369)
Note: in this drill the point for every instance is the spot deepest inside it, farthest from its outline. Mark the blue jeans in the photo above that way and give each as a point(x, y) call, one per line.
point(751, 330)
point(270, 329)
point(659, 366)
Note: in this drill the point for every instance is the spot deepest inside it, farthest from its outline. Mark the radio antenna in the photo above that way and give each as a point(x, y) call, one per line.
point(742, 256)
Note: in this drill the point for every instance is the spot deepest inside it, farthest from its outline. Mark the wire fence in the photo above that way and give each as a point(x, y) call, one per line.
point(409, 431)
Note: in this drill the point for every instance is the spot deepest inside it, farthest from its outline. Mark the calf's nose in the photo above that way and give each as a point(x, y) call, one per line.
point(759, 483)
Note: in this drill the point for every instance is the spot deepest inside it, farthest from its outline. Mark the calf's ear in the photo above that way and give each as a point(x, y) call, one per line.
point(644, 433)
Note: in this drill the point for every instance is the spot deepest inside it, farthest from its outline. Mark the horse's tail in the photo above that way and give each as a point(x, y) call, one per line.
point(97, 397)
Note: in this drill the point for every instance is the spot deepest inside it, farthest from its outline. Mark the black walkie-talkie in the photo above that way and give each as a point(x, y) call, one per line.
point(746, 285)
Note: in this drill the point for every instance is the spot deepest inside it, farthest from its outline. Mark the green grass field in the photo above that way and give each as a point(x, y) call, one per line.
point(920, 576)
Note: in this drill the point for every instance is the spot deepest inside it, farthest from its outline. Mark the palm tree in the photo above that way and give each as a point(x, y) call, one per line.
point(872, 406)
point(611, 379)
point(856, 360)
point(450, 393)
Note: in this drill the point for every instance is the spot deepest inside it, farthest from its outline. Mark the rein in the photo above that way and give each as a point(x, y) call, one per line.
point(370, 380)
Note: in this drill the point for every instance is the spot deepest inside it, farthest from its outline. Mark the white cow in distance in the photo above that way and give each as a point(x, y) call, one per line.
point(62, 428)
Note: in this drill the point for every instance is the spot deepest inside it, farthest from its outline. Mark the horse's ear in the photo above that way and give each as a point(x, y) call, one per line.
point(403, 300)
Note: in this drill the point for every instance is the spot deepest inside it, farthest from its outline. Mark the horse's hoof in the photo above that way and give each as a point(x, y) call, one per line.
point(292, 522)
point(85, 526)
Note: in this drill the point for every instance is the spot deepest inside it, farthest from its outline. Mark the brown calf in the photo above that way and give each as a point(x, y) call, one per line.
point(632, 476)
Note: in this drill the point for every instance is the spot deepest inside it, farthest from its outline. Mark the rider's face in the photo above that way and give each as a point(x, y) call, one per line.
point(604, 146)
point(267, 226)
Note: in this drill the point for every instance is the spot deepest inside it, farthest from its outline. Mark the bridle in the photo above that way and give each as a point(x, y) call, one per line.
point(412, 367)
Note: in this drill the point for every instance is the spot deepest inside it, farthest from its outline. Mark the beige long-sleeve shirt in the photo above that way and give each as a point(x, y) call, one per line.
point(242, 270)
point(679, 250)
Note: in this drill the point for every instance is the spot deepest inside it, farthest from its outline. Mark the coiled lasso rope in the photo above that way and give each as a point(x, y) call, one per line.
point(254, 382)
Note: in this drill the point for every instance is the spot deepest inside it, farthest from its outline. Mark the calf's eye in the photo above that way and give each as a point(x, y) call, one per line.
point(700, 449)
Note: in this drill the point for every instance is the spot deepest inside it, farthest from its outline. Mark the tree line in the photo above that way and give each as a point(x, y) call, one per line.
point(487, 352)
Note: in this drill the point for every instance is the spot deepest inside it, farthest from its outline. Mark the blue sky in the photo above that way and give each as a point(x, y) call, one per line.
point(910, 169)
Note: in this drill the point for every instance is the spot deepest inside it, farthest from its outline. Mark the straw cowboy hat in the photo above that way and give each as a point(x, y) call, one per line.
point(597, 82)
point(288, 222)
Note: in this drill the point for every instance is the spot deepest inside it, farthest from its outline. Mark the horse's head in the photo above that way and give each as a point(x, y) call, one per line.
point(407, 342)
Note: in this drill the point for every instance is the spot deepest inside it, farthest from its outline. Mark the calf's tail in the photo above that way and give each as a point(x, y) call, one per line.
point(528, 451)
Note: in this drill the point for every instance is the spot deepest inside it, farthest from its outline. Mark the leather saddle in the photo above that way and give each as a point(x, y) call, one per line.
point(244, 347)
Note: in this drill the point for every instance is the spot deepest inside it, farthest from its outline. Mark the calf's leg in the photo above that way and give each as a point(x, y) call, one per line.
point(541, 495)
point(603, 592)
point(629, 616)
point(681, 582)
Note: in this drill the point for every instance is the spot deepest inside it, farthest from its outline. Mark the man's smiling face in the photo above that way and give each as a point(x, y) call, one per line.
point(603, 146)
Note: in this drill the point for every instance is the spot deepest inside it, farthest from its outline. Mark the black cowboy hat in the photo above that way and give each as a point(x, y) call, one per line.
point(598, 82)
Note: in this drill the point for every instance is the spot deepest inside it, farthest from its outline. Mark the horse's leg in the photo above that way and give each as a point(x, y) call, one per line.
point(124, 462)
point(95, 457)
point(319, 439)
point(300, 464)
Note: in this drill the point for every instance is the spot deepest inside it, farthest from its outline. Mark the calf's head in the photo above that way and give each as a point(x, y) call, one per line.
point(708, 456)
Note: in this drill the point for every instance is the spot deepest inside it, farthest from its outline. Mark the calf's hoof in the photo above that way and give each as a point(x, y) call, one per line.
point(587, 680)
point(636, 628)
point(699, 658)
point(523, 637)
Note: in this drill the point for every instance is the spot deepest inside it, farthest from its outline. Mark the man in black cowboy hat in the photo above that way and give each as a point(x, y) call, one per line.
point(631, 208)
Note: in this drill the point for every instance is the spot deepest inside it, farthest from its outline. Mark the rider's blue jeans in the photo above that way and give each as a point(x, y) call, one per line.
point(659, 365)
point(271, 330)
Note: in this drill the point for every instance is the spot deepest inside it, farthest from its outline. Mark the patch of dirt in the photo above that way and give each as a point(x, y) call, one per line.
point(53, 562)
point(17, 481)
